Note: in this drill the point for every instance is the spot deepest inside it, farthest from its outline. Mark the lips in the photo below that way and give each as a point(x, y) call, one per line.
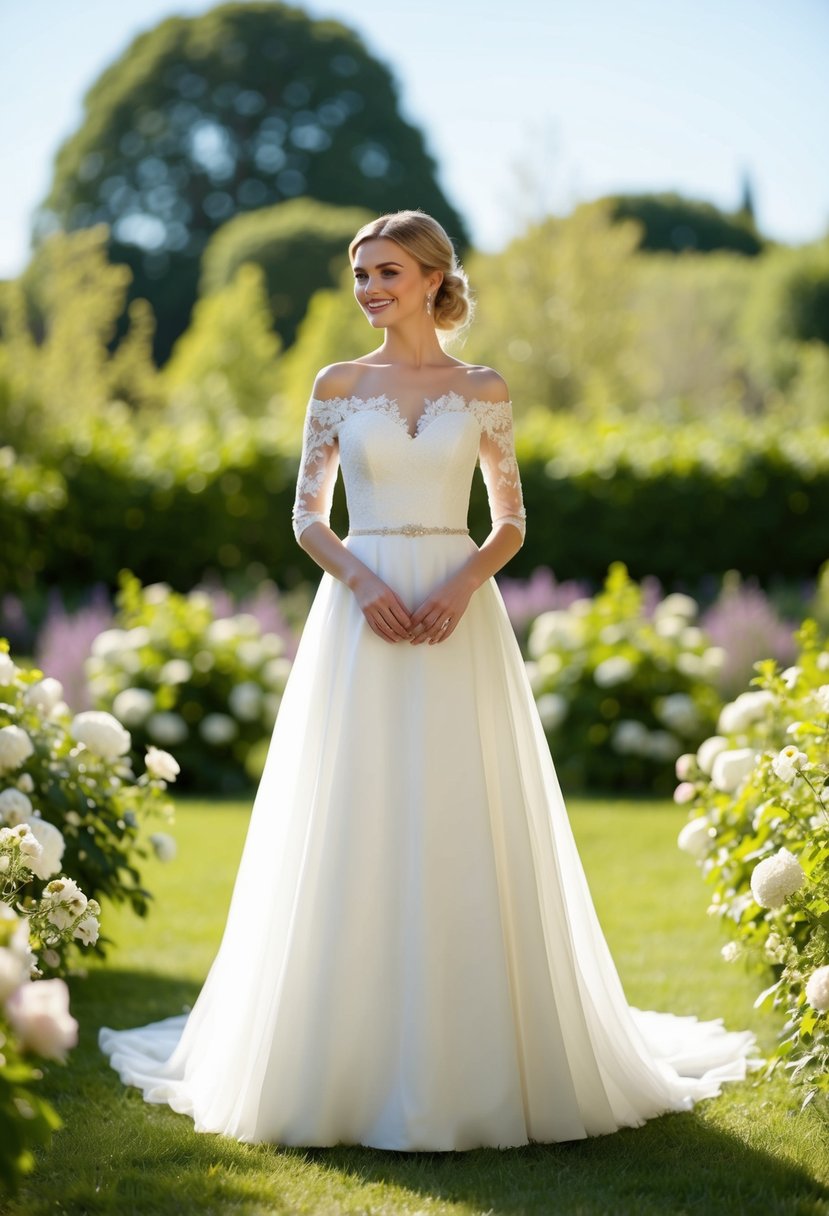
point(378, 305)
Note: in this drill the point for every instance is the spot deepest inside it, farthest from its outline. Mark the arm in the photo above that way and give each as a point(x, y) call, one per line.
point(318, 466)
point(506, 507)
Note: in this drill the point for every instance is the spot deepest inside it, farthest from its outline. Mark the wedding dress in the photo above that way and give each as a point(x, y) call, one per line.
point(412, 959)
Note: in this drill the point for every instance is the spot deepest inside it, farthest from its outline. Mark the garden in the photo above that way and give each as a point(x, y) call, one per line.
point(671, 603)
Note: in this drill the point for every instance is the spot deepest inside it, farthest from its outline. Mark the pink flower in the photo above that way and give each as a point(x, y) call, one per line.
point(684, 792)
point(39, 1012)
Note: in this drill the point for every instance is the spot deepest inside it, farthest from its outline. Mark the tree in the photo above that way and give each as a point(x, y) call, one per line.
point(244, 106)
point(301, 245)
point(674, 223)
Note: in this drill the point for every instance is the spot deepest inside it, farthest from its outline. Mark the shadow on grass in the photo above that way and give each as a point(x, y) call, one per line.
point(132, 1157)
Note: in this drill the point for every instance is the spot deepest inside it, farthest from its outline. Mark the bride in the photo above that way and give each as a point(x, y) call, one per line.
point(412, 959)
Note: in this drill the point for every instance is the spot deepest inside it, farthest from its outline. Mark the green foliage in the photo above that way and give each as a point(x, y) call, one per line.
point(229, 352)
point(27, 1120)
point(759, 787)
point(232, 110)
point(671, 222)
point(622, 692)
point(177, 676)
point(301, 245)
point(553, 312)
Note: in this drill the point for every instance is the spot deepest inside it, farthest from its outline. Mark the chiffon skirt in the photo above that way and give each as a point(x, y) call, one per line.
point(412, 959)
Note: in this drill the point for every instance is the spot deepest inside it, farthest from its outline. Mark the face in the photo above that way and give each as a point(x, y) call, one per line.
point(389, 284)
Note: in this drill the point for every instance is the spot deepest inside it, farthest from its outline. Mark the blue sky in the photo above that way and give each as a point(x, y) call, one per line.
point(528, 106)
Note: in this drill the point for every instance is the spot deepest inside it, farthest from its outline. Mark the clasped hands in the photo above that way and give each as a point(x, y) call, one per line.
point(389, 617)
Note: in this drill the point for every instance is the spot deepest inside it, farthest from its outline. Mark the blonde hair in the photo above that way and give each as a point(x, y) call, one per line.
point(428, 243)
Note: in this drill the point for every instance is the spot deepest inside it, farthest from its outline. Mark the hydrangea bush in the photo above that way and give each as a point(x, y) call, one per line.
point(180, 677)
point(758, 795)
point(69, 778)
point(622, 690)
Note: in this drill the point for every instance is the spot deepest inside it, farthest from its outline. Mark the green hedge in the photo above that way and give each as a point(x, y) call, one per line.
point(679, 507)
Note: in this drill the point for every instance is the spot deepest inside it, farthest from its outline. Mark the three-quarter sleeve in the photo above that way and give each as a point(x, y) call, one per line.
point(318, 466)
point(499, 465)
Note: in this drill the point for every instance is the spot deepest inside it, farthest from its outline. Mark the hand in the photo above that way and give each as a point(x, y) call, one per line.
point(446, 602)
point(382, 608)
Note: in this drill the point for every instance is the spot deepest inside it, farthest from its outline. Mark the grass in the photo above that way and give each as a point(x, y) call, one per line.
point(749, 1150)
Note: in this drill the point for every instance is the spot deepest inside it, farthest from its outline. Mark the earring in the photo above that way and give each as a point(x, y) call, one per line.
point(429, 304)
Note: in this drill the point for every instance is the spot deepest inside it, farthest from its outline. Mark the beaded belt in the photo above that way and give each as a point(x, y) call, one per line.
point(406, 530)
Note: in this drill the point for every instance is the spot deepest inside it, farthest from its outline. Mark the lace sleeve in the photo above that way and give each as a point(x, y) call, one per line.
point(499, 465)
point(318, 466)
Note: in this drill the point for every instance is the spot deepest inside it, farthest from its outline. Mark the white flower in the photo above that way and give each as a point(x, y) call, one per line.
point(695, 837)
point(790, 676)
point(39, 1013)
point(161, 764)
point(552, 709)
point(8, 669)
point(823, 661)
point(712, 660)
point(817, 989)
point(789, 762)
point(44, 695)
point(775, 878)
point(555, 630)
point(730, 767)
point(167, 727)
point(221, 630)
point(731, 951)
point(775, 949)
point(132, 706)
point(276, 671)
point(108, 643)
point(164, 846)
point(15, 747)
point(612, 671)
point(12, 972)
point(685, 765)
point(26, 783)
point(245, 700)
point(53, 845)
point(251, 653)
point(87, 931)
point(629, 738)
point(175, 671)
point(678, 712)
point(709, 750)
point(218, 728)
point(15, 806)
point(822, 697)
point(65, 901)
point(101, 733)
point(684, 792)
point(669, 626)
point(677, 604)
point(748, 708)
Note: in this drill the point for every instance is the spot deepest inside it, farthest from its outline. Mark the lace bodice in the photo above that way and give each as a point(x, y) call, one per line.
point(394, 478)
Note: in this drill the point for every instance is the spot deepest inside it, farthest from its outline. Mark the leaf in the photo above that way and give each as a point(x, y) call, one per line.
point(767, 993)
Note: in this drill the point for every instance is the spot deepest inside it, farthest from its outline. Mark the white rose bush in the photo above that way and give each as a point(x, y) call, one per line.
point(179, 677)
point(757, 793)
point(622, 690)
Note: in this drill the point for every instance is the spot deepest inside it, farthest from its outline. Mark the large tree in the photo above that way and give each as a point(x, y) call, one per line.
point(202, 118)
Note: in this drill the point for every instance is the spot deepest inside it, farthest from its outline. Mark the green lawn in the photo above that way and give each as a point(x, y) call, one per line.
point(748, 1151)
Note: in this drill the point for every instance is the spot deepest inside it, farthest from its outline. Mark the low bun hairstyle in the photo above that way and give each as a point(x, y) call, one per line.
point(426, 241)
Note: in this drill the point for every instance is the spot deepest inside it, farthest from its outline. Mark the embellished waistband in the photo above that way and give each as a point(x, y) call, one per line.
point(407, 530)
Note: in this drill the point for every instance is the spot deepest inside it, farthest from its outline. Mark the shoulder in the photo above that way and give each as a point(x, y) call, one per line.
point(334, 380)
point(487, 385)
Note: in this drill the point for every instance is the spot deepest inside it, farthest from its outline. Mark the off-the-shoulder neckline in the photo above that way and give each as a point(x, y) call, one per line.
point(431, 404)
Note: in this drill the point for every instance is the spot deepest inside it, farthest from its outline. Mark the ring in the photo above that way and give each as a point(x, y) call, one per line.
point(445, 623)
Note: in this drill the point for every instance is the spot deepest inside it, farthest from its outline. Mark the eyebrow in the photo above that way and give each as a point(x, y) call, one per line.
point(381, 264)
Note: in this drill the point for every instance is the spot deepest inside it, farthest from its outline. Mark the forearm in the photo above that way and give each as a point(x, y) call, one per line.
point(329, 552)
point(500, 546)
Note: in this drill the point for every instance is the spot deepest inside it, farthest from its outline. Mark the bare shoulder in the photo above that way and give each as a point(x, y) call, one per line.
point(485, 384)
point(335, 380)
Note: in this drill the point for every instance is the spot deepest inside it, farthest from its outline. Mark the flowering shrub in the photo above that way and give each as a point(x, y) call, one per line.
point(178, 676)
point(759, 797)
point(622, 692)
point(70, 780)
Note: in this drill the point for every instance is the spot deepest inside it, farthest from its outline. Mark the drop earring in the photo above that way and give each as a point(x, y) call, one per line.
point(429, 305)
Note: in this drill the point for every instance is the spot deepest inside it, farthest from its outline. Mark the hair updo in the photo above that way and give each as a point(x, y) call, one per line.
point(427, 242)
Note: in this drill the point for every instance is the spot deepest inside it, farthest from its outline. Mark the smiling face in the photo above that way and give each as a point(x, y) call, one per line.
point(388, 282)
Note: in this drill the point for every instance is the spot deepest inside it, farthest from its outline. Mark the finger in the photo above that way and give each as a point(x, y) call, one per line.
point(381, 629)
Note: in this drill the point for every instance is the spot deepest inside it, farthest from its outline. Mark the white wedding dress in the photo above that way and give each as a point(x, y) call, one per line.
point(412, 959)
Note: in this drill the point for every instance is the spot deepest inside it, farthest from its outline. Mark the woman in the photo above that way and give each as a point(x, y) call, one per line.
point(412, 959)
